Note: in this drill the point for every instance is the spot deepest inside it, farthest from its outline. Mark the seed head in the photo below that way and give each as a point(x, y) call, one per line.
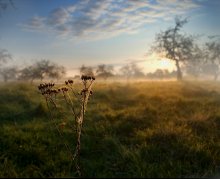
point(83, 77)
point(64, 89)
point(70, 81)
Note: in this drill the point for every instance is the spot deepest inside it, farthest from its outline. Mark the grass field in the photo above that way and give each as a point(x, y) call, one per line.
point(140, 129)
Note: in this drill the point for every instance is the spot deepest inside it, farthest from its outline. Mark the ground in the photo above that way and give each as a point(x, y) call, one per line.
point(134, 129)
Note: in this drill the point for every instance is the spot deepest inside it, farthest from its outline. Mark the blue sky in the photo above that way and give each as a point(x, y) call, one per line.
point(92, 32)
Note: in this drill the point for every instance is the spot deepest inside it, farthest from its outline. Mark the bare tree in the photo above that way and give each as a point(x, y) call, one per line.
point(42, 69)
point(86, 70)
point(175, 46)
point(211, 69)
point(104, 71)
point(160, 74)
point(136, 71)
point(194, 66)
point(131, 70)
point(8, 73)
point(126, 71)
point(27, 73)
point(57, 72)
point(213, 58)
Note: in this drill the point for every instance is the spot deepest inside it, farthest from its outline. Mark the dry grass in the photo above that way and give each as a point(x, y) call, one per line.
point(144, 129)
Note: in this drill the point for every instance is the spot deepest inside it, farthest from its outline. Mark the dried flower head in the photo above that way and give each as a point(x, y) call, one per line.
point(70, 81)
point(49, 91)
point(86, 77)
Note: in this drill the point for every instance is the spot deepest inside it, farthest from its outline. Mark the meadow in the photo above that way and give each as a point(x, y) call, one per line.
point(136, 129)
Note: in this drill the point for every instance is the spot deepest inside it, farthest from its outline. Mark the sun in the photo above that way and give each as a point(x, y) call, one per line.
point(166, 64)
point(156, 61)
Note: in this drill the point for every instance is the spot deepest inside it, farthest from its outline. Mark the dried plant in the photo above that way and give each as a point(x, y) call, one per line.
point(77, 103)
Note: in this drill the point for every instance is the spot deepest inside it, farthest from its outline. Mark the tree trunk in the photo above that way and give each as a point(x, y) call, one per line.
point(179, 73)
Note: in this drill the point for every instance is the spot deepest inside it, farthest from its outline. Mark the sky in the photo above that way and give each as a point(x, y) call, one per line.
point(94, 32)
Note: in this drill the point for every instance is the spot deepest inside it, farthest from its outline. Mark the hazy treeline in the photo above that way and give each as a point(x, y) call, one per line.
point(45, 69)
point(39, 70)
point(192, 57)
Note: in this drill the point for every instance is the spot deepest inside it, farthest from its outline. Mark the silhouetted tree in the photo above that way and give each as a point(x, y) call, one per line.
point(131, 70)
point(166, 73)
point(212, 58)
point(136, 71)
point(8, 73)
point(126, 71)
point(84, 70)
point(161, 73)
point(175, 46)
point(210, 69)
point(57, 72)
point(194, 66)
point(27, 73)
point(42, 69)
point(104, 71)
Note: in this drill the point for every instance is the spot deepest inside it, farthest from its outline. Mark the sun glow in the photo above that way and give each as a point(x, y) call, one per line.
point(165, 64)
point(155, 61)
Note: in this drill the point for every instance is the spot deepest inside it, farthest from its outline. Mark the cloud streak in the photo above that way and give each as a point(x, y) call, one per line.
point(107, 18)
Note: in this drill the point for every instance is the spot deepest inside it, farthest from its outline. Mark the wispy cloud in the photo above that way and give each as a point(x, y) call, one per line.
point(35, 23)
point(107, 18)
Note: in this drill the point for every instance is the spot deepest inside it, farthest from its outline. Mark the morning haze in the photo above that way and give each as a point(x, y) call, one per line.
point(111, 88)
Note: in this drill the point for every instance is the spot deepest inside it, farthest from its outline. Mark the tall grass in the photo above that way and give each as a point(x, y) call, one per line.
point(145, 129)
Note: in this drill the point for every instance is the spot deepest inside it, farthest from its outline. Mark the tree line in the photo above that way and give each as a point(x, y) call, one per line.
point(39, 70)
point(190, 56)
point(45, 69)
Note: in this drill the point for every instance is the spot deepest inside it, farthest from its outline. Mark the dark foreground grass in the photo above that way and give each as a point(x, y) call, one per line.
point(147, 129)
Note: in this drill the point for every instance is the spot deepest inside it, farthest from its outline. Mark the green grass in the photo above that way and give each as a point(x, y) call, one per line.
point(142, 129)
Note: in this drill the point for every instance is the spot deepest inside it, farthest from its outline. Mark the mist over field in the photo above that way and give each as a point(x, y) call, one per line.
point(110, 88)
